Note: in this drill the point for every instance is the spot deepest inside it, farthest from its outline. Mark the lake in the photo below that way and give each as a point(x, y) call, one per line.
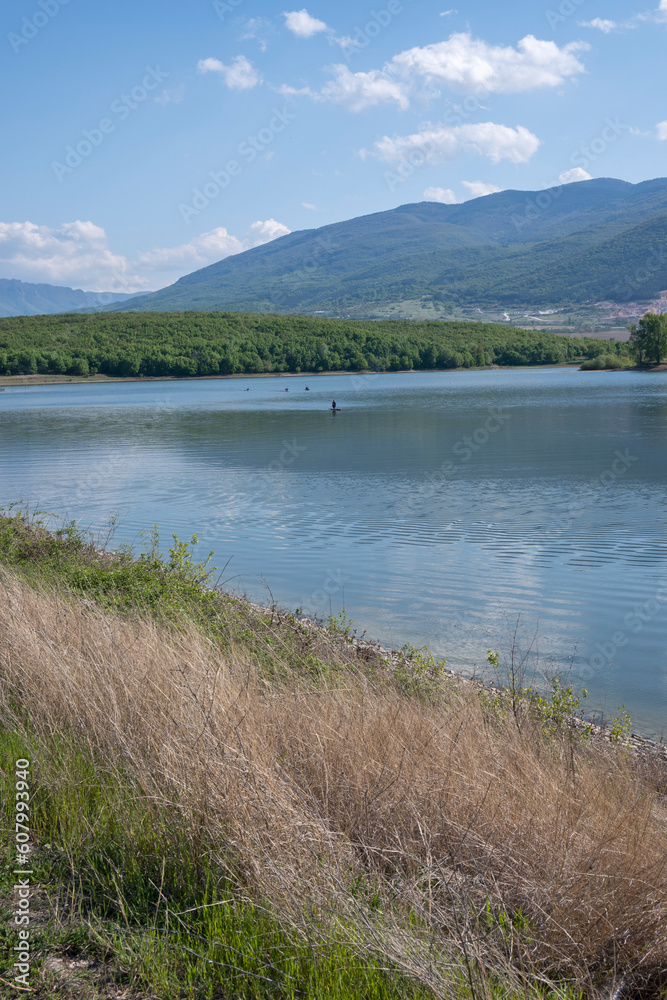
point(436, 508)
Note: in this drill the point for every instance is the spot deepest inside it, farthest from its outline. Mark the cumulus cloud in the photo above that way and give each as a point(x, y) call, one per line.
point(239, 75)
point(199, 251)
point(661, 127)
point(461, 63)
point(264, 232)
point(439, 144)
point(601, 23)
point(301, 24)
point(358, 91)
point(77, 254)
point(478, 189)
point(574, 175)
point(470, 65)
point(444, 195)
point(207, 248)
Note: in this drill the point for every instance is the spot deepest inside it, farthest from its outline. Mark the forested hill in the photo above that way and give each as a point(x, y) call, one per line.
point(593, 240)
point(192, 344)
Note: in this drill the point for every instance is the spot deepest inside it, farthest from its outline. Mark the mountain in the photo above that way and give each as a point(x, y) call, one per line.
point(21, 298)
point(593, 240)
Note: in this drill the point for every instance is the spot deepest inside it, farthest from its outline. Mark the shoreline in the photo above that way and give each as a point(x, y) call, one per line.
point(643, 747)
point(639, 746)
point(30, 380)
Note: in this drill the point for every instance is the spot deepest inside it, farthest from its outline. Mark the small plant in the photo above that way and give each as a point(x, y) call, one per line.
point(557, 711)
point(180, 561)
point(340, 624)
point(420, 672)
point(620, 727)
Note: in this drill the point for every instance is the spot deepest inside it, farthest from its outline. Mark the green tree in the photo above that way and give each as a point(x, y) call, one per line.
point(649, 337)
point(79, 366)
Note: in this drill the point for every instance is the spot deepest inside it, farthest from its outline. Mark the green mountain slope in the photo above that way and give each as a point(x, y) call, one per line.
point(599, 239)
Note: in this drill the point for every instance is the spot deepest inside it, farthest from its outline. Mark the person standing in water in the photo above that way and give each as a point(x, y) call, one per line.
point(333, 405)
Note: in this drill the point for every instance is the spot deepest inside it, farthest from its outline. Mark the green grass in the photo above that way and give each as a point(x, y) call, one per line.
point(131, 891)
point(143, 893)
point(174, 590)
point(123, 886)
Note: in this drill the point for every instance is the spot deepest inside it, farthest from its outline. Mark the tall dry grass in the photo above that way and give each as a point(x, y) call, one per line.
point(422, 831)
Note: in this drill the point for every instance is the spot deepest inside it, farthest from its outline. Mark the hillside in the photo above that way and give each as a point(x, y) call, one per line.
point(191, 344)
point(22, 298)
point(593, 240)
point(228, 801)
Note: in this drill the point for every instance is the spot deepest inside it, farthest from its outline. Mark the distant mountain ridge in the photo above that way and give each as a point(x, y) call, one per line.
point(594, 240)
point(22, 298)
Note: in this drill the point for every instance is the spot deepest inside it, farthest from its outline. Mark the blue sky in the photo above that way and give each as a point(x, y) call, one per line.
point(144, 140)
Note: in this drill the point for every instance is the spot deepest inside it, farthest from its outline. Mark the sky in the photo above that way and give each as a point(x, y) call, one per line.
point(144, 140)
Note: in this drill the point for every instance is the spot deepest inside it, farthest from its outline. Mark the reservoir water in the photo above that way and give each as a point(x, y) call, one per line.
point(437, 509)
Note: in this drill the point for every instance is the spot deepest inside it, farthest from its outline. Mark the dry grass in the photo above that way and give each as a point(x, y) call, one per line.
point(422, 831)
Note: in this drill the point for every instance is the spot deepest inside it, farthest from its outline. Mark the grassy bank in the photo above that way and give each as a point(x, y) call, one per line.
point(228, 803)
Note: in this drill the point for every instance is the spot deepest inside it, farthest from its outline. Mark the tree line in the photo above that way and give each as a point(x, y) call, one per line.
point(648, 338)
point(196, 344)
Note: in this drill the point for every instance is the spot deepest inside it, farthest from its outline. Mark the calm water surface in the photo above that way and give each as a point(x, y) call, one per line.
point(436, 508)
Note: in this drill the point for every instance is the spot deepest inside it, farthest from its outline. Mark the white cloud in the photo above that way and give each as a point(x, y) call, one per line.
point(301, 24)
point(309, 205)
point(267, 231)
point(239, 75)
point(257, 28)
point(472, 66)
point(574, 175)
point(358, 91)
point(174, 95)
point(77, 255)
point(461, 63)
point(439, 144)
point(200, 251)
point(600, 23)
point(661, 127)
point(478, 189)
point(288, 91)
point(448, 13)
point(207, 248)
point(444, 195)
